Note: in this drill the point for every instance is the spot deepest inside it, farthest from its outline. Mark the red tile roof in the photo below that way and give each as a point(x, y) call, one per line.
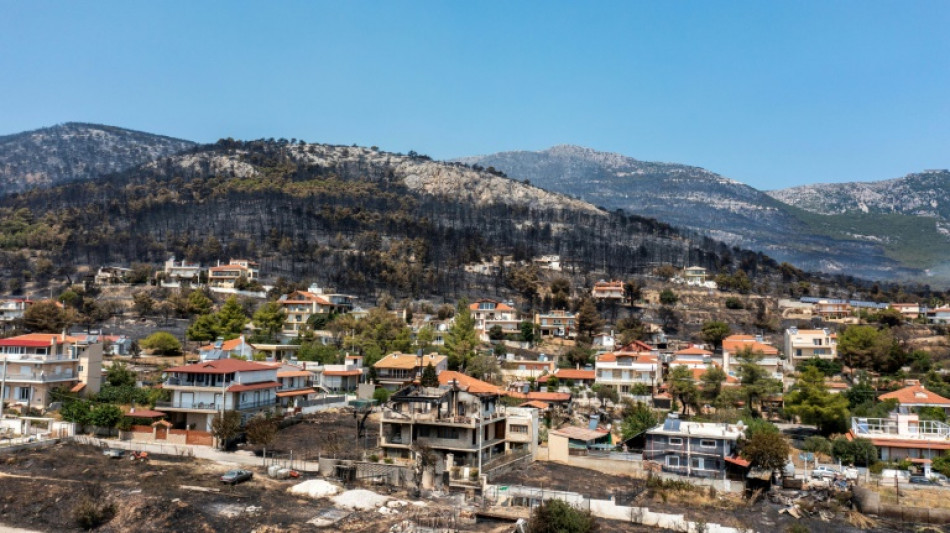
point(570, 373)
point(692, 350)
point(342, 372)
point(535, 404)
point(294, 374)
point(467, 383)
point(241, 387)
point(220, 366)
point(734, 343)
point(144, 413)
point(227, 346)
point(542, 396)
point(915, 395)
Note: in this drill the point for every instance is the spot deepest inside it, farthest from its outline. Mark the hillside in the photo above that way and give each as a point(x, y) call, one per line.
point(923, 194)
point(713, 205)
point(354, 218)
point(75, 152)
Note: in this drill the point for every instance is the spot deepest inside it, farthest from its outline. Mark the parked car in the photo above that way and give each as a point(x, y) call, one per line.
point(236, 476)
point(823, 472)
point(921, 480)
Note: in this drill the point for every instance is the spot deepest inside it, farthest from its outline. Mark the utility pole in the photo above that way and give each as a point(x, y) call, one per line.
point(3, 384)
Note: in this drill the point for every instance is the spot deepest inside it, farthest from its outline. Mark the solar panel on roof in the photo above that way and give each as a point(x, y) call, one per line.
point(671, 424)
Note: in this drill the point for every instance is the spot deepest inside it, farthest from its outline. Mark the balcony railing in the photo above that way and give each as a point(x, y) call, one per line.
point(39, 358)
point(42, 377)
point(389, 414)
point(888, 427)
point(215, 406)
point(178, 382)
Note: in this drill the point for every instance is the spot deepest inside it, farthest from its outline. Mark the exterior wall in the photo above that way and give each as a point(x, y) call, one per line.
point(90, 368)
point(683, 458)
point(558, 449)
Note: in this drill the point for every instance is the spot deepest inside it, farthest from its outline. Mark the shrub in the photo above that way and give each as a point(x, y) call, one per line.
point(556, 515)
point(388, 460)
point(858, 452)
point(92, 510)
point(374, 458)
point(733, 303)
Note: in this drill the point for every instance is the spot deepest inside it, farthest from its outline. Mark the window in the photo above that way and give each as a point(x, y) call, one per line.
point(672, 460)
point(676, 441)
point(518, 429)
point(79, 369)
point(24, 393)
point(698, 463)
point(707, 443)
point(448, 433)
point(817, 342)
point(798, 353)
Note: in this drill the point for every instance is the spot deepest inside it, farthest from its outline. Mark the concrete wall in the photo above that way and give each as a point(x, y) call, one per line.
point(869, 502)
point(558, 449)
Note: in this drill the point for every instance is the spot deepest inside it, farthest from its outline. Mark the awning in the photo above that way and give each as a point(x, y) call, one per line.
point(738, 461)
point(301, 392)
point(78, 387)
point(240, 387)
point(144, 413)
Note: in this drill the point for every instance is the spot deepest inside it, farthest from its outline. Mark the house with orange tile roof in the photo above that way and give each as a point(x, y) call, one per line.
point(229, 274)
point(769, 355)
point(35, 364)
point(914, 397)
point(909, 311)
point(584, 378)
point(491, 313)
point(556, 323)
point(12, 309)
point(397, 370)
point(903, 436)
point(300, 306)
point(804, 344)
point(627, 371)
point(222, 349)
point(296, 386)
point(608, 291)
point(528, 368)
point(201, 390)
point(467, 383)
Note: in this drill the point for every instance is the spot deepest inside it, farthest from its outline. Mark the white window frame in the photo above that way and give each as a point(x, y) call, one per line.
point(679, 441)
point(671, 458)
point(698, 463)
point(703, 443)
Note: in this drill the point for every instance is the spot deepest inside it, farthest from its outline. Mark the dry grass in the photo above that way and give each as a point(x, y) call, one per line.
point(858, 520)
point(931, 498)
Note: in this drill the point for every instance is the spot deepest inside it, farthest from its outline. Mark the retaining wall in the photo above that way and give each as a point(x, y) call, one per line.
point(869, 502)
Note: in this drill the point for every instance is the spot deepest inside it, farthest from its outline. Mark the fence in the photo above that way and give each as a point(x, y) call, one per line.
point(150, 447)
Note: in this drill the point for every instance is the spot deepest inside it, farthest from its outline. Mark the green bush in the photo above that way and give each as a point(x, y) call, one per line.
point(858, 452)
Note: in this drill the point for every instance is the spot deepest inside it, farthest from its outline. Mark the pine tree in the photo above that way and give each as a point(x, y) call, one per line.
point(429, 377)
point(461, 340)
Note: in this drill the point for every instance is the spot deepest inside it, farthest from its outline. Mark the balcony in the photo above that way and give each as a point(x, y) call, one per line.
point(178, 382)
point(42, 377)
point(39, 358)
point(394, 416)
point(212, 406)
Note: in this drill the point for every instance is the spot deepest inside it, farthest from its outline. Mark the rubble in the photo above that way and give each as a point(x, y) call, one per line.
point(315, 488)
point(360, 499)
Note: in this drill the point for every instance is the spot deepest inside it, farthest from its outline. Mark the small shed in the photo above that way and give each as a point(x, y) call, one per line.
point(573, 440)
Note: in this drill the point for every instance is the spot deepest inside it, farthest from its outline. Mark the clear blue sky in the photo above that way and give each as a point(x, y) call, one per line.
point(773, 94)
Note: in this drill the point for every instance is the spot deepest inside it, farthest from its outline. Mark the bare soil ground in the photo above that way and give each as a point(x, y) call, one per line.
point(328, 433)
point(42, 488)
point(698, 504)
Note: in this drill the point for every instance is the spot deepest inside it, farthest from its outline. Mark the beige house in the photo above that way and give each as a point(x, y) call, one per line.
point(36, 364)
point(397, 370)
point(804, 344)
point(228, 275)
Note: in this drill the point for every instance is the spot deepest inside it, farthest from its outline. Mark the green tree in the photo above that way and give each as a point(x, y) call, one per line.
point(461, 339)
point(817, 444)
point(560, 293)
point(755, 381)
point(605, 394)
point(142, 303)
point(226, 426)
point(712, 380)
point(231, 318)
point(864, 347)
point(637, 419)
point(317, 351)
point(668, 297)
point(198, 303)
point(766, 450)
point(119, 375)
point(203, 329)
point(269, 320)
point(810, 400)
point(495, 333)
point(713, 331)
point(682, 387)
point(483, 367)
point(580, 354)
point(45, 317)
point(381, 395)
point(527, 331)
point(589, 321)
point(105, 415)
point(161, 343)
point(828, 367)
point(429, 377)
point(556, 516)
point(553, 383)
point(858, 452)
point(76, 410)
